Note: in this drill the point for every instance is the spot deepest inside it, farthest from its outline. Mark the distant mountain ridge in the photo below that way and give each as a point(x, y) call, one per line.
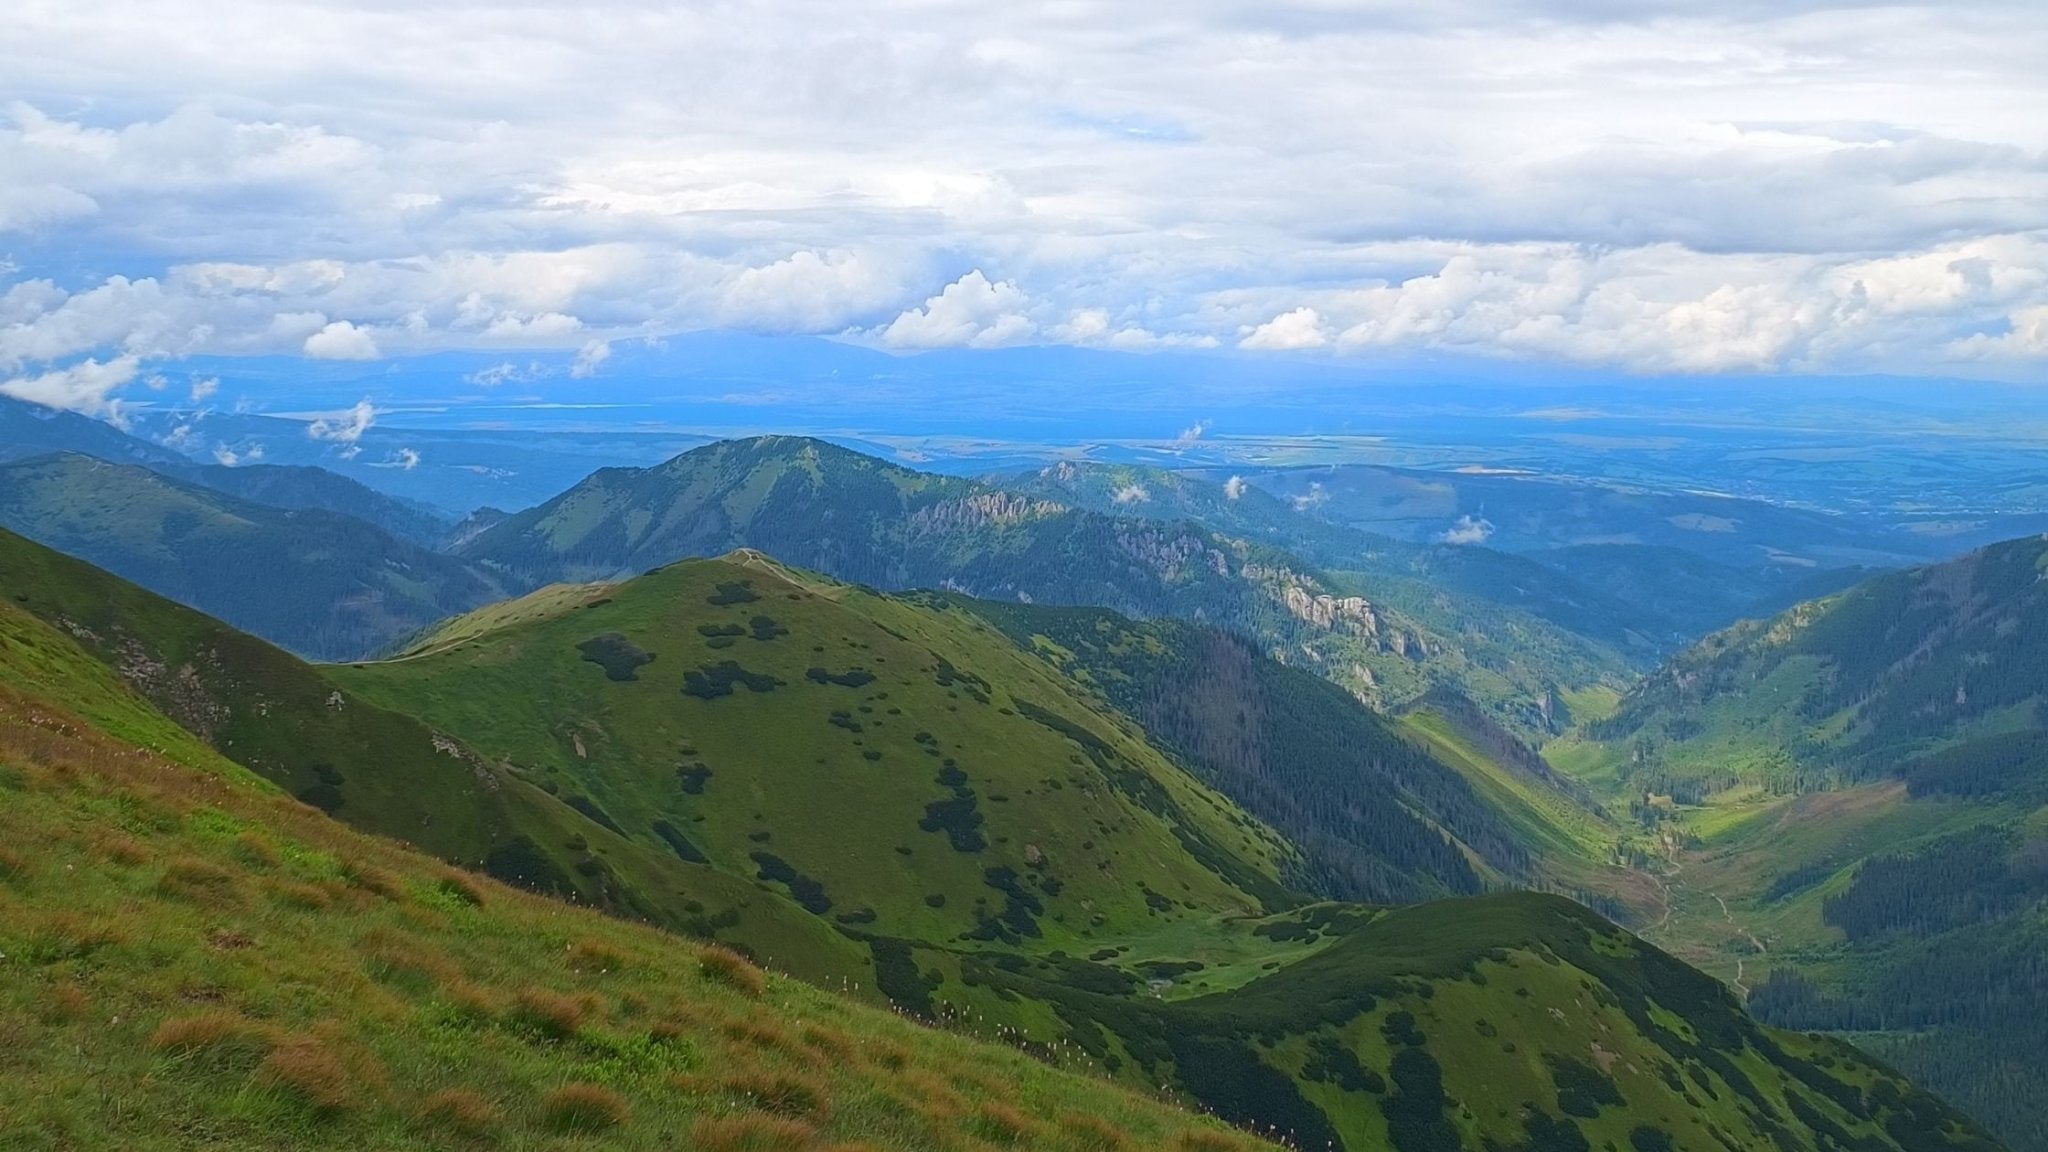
point(858, 518)
point(325, 584)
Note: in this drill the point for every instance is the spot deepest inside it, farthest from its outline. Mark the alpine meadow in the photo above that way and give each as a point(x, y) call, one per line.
point(1333, 576)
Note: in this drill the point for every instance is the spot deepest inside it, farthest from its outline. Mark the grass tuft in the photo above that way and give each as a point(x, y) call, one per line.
point(753, 1133)
point(460, 1111)
point(1090, 1132)
point(307, 1069)
point(584, 1108)
point(216, 1039)
point(794, 1097)
point(595, 957)
point(722, 965)
point(197, 880)
point(546, 1015)
point(999, 1123)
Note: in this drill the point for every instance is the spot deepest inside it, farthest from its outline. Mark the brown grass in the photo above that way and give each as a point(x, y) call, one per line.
point(888, 1054)
point(308, 1069)
point(999, 1123)
point(463, 887)
point(12, 864)
point(795, 1097)
point(371, 878)
point(722, 965)
point(460, 1111)
point(595, 957)
point(1091, 1132)
point(218, 1038)
point(66, 1003)
point(754, 1133)
point(584, 1108)
point(200, 881)
point(124, 850)
point(256, 850)
point(1201, 1140)
point(307, 897)
point(547, 1015)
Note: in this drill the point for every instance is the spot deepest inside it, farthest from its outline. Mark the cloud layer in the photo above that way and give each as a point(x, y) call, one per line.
point(1672, 187)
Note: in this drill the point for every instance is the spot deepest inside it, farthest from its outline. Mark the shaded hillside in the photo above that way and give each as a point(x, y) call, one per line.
point(321, 583)
point(1369, 809)
point(860, 519)
point(300, 487)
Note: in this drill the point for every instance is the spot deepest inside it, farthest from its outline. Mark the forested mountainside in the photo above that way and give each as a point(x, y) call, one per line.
point(320, 582)
point(1517, 1020)
point(860, 519)
point(1851, 794)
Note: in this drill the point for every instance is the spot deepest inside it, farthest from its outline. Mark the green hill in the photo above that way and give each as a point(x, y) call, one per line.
point(188, 958)
point(301, 487)
point(860, 519)
point(321, 583)
point(271, 990)
point(1850, 795)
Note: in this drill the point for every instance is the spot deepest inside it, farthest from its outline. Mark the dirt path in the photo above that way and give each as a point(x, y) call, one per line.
point(1668, 888)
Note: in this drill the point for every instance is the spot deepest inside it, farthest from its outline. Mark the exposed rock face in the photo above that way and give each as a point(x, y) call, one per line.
point(983, 509)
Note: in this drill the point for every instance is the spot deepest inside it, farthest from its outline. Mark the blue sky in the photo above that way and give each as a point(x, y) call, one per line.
point(1656, 189)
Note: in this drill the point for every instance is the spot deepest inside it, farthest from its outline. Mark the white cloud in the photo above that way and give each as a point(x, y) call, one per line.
point(405, 460)
point(230, 457)
point(1233, 488)
point(1191, 434)
point(82, 387)
point(590, 358)
point(971, 312)
point(345, 428)
point(341, 340)
point(204, 388)
point(1315, 497)
point(1467, 530)
point(1132, 494)
point(1661, 188)
point(1289, 331)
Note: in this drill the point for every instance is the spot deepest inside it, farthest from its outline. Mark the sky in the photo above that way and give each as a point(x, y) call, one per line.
point(1653, 188)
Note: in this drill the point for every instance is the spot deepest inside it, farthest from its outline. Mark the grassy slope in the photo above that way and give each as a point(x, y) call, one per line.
point(188, 958)
point(845, 803)
point(316, 581)
point(1513, 995)
point(380, 770)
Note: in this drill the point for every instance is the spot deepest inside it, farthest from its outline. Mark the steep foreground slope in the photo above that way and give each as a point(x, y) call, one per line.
point(1851, 797)
point(861, 519)
point(1511, 1021)
point(318, 582)
point(188, 958)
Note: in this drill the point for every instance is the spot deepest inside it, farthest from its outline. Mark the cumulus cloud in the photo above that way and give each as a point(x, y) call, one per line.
point(971, 312)
point(1287, 332)
point(590, 358)
point(405, 460)
point(1467, 530)
point(1314, 498)
point(203, 388)
point(345, 428)
point(1662, 189)
point(81, 387)
point(341, 340)
point(1191, 434)
point(1233, 488)
point(1132, 494)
